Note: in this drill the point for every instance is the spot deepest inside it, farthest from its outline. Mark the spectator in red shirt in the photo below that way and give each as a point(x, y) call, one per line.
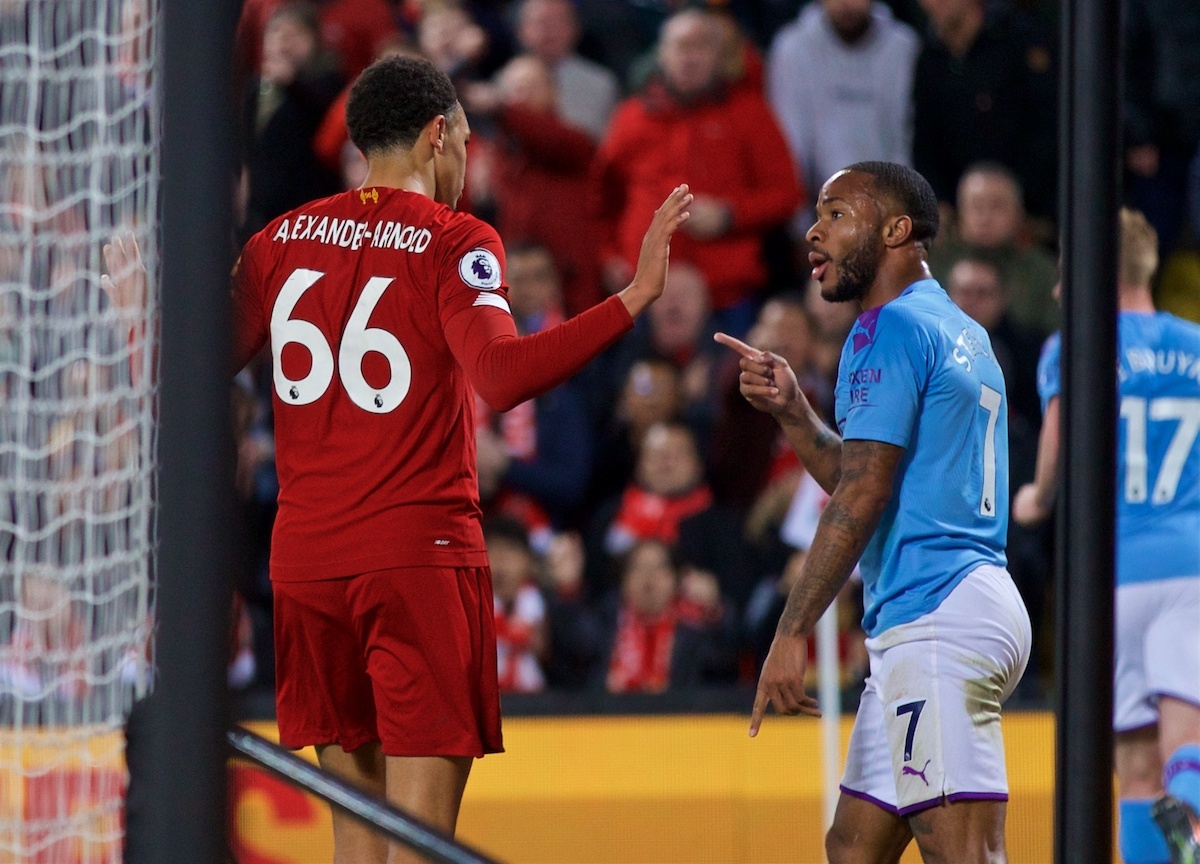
point(669, 500)
point(540, 175)
point(688, 122)
point(520, 610)
point(670, 628)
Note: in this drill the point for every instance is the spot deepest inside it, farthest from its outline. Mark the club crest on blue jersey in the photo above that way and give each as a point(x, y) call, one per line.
point(480, 269)
point(863, 333)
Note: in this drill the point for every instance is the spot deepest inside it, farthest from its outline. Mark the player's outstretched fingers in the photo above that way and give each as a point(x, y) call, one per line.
point(672, 212)
point(125, 282)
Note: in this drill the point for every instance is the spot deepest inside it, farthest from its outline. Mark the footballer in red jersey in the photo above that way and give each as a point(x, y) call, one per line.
point(385, 309)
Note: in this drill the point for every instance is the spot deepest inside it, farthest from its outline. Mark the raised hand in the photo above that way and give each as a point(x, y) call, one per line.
point(126, 281)
point(651, 275)
point(767, 381)
point(781, 682)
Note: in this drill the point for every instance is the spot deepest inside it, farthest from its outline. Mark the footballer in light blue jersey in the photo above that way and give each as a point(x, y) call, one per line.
point(917, 472)
point(918, 369)
point(1158, 464)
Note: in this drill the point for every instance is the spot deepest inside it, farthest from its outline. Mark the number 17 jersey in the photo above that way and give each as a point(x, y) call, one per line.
point(1158, 443)
point(373, 413)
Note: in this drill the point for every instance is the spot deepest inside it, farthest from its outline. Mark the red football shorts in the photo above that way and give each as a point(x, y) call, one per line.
point(405, 656)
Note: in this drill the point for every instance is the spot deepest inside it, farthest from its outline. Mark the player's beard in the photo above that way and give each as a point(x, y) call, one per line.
point(857, 271)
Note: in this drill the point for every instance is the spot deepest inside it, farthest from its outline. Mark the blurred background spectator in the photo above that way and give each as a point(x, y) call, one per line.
point(749, 451)
point(283, 107)
point(455, 43)
point(651, 393)
point(670, 501)
point(668, 628)
point(1162, 112)
point(535, 460)
point(537, 173)
point(353, 30)
point(585, 92)
point(520, 611)
point(840, 80)
point(991, 225)
point(678, 328)
point(985, 88)
point(976, 285)
point(689, 125)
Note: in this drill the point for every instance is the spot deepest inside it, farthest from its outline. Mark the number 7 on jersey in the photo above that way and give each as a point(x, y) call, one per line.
point(989, 400)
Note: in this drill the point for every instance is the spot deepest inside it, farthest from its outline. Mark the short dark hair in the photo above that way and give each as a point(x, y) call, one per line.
point(393, 99)
point(907, 190)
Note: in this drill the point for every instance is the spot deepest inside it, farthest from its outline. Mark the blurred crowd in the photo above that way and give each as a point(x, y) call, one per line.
point(643, 523)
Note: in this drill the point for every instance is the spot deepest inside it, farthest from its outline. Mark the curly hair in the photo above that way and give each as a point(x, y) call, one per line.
point(393, 99)
point(909, 192)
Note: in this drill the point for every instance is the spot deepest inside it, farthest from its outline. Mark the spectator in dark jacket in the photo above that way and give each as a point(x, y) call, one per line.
point(1162, 110)
point(984, 89)
point(283, 109)
point(535, 460)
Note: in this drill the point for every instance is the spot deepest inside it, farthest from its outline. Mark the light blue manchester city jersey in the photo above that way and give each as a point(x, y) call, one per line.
point(1158, 443)
point(920, 374)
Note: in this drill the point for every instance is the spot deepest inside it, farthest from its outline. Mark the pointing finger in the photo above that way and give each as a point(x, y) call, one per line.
point(740, 347)
point(760, 708)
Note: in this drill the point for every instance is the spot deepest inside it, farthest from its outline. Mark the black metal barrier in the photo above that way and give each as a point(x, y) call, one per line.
point(384, 818)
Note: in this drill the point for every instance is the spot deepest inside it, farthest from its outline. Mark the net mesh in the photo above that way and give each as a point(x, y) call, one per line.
point(79, 132)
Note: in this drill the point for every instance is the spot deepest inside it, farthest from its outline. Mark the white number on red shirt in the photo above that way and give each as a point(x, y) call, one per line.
point(357, 341)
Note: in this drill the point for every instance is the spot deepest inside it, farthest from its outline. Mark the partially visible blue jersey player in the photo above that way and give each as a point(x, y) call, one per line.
point(1156, 688)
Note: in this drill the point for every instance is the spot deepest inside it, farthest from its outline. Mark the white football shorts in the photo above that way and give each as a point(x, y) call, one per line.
point(928, 724)
point(1158, 649)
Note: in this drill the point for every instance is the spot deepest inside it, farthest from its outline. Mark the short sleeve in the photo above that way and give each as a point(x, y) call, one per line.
point(883, 373)
point(471, 266)
point(1049, 376)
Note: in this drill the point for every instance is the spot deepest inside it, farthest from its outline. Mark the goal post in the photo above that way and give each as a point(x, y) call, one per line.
point(178, 748)
point(115, 122)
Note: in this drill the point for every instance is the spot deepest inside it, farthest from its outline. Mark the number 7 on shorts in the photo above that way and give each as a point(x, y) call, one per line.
point(913, 708)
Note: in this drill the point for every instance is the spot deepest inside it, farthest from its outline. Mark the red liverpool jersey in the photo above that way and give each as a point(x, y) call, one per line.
point(383, 309)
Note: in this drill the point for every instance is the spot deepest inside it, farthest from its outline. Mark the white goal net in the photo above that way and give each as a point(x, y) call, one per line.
point(79, 137)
